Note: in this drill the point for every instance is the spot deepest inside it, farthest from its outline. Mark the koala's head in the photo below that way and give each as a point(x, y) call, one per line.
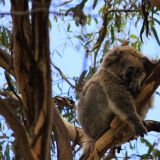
point(130, 66)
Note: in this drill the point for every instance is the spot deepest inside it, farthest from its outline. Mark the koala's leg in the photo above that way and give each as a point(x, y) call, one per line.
point(122, 104)
point(93, 112)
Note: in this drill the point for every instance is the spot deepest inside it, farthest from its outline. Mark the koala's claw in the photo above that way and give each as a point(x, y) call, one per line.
point(141, 130)
point(145, 123)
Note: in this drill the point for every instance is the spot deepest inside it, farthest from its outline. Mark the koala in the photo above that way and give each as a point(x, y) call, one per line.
point(111, 91)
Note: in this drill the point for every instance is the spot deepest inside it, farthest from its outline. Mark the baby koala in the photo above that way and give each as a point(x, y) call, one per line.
point(111, 90)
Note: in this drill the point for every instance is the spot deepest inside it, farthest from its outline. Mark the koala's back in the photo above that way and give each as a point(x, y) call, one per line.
point(109, 93)
point(94, 113)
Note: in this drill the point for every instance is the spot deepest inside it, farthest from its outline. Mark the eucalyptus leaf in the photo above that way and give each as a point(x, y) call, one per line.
point(95, 3)
point(155, 35)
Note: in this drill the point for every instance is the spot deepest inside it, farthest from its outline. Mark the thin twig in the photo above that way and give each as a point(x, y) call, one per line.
point(63, 76)
point(124, 10)
point(24, 13)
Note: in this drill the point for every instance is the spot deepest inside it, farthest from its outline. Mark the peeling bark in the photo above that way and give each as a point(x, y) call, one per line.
point(31, 60)
point(33, 76)
point(21, 50)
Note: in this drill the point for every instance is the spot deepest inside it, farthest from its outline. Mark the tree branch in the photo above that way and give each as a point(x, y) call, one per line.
point(77, 134)
point(63, 76)
point(59, 128)
point(20, 134)
point(5, 62)
point(21, 51)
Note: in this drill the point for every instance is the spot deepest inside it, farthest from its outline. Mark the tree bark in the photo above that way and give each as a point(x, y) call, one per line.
point(32, 70)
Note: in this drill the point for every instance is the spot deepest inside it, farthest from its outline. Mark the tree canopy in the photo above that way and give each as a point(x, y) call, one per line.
point(38, 98)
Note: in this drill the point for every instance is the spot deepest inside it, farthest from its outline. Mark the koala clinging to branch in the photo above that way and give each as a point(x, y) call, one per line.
point(111, 92)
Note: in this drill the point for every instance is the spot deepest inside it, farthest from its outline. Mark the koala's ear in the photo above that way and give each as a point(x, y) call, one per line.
point(114, 57)
point(149, 65)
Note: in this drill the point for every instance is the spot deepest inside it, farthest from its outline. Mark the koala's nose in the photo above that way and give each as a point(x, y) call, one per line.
point(134, 87)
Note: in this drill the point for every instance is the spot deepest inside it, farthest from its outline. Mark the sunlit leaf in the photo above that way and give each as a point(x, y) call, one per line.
point(156, 20)
point(118, 21)
point(96, 21)
point(68, 27)
point(144, 156)
point(7, 152)
point(5, 37)
point(89, 35)
point(112, 34)
point(89, 18)
point(80, 37)
point(50, 24)
point(157, 153)
point(55, 18)
point(101, 10)
point(139, 45)
point(106, 46)
point(133, 36)
point(146, 142)
point(87, 43)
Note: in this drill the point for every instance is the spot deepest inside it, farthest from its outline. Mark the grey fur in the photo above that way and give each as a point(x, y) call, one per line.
point(111, 90)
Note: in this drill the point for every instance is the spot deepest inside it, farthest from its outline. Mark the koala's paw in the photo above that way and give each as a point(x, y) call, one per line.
point(141, 129)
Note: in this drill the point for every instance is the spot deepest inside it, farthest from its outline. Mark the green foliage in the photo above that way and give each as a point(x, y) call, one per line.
point(152, 152)
point(6, 141)
point(155, 35)
point(95, 3)
point(5, 37)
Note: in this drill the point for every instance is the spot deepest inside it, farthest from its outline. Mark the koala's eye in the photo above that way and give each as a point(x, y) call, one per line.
point(130, 71)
